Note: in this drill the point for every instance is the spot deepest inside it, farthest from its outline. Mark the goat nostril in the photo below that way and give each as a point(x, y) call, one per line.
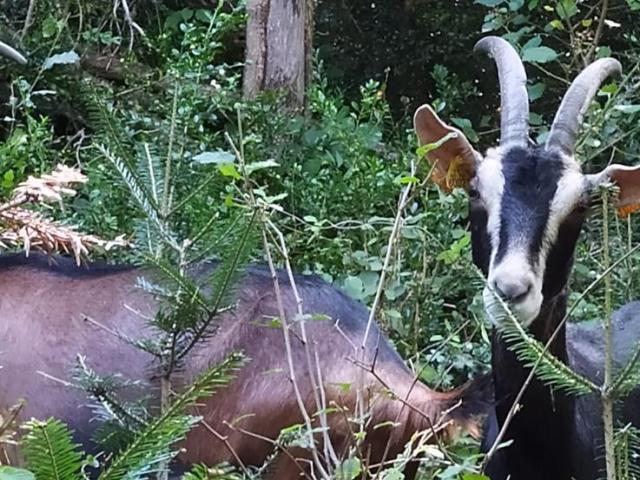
point(512, 292)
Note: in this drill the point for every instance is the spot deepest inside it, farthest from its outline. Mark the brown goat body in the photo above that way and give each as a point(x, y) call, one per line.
point(44, 308)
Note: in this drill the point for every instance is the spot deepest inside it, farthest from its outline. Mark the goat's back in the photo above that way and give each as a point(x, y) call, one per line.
point(585, 345)
point(44, 326)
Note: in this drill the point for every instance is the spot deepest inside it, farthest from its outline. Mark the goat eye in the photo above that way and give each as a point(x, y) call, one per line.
point(474, 194)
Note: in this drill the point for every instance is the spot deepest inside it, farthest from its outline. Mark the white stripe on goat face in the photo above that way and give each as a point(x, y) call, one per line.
point(527, 195)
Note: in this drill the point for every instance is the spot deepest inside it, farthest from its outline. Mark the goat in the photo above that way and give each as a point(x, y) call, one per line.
point(42, 330)
point(42, 325)
point(527, 207)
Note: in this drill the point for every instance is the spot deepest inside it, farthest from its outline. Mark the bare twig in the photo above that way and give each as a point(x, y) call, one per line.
point(292, 375)
point(128, 18)
point(29, 19)
point(596, 38)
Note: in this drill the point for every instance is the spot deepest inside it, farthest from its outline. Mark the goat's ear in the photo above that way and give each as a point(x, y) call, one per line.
point(628, 180)
point(447, 150)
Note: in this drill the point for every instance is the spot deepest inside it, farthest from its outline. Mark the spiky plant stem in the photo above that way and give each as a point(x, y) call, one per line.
point(607, 399)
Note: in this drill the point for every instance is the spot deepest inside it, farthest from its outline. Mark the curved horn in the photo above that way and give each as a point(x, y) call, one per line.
point(514, 99)
point(564, 129)
point(11, 53)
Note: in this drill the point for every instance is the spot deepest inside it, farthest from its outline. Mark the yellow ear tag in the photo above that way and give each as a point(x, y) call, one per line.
point(627, 210)
point(459, 174)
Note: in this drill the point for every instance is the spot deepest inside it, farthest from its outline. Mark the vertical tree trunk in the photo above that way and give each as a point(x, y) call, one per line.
point(278, 56)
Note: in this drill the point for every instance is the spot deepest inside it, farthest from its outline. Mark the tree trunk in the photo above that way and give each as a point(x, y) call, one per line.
point(278, 56)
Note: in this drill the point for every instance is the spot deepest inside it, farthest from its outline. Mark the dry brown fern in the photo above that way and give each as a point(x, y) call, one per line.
point(31, 230)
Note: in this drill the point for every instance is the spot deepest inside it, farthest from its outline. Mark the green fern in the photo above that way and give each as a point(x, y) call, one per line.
point(151, 449)
point(49, 451)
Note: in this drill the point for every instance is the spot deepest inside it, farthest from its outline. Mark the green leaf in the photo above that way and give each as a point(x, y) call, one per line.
point(634, 4)
point(566, 9)
point(49, 27)
point(408, 179)
point(392, 474)
point(369, 282)
point(8, 179)
point(535, 119)
point(65, 58)
point(556, 24)
point(534, 41)
point(628, 109)
point(489, 3)
point(603, 51)
point(176, 18)
point(394, 290)
point(467, 128)
point(229, 170)
point(474, 476)
point(608, 89)
point(536, 91)
point(11, 473)
point(457, 248)
point(451, 472)
point(349, 469)
point(353, 287)
point(539, 55)
point(255, 166)
point(515, 5)
point(217, 157)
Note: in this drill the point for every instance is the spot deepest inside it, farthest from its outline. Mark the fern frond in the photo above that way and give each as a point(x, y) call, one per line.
point(49, 451)
point(151, 448)
point(532, 353)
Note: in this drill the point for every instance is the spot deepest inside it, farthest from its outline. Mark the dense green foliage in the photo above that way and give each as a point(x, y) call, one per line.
point(123, 106)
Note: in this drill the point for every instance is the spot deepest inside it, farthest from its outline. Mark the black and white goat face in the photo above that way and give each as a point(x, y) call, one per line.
point(527, 204)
